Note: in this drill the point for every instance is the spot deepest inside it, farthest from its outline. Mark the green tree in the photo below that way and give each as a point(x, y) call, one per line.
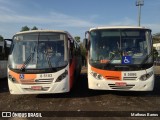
point(77, 38)
point(34, 28)
point(25, 28)
point(1, 38)
point(83, 50)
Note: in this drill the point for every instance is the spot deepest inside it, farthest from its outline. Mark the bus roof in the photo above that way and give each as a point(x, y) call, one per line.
point(118, 27)
point(35, 31)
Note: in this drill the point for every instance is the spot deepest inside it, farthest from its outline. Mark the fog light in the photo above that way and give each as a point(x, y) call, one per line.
point(14, 80)
point(9, 77)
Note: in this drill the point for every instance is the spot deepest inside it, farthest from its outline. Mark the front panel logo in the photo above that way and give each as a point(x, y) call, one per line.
point(126, 59)
point(21, 76)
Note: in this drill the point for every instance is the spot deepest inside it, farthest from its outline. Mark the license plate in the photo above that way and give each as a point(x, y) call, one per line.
point(120, 84)
point(36, 87)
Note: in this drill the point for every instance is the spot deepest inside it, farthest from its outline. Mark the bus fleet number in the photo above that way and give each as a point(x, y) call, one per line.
point(130, 74)
point(45, 75)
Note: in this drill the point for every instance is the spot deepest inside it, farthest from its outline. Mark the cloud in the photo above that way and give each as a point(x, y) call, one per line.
point(70, 21)
point(4, 9)
point(124, 21)
point(9, 16)
point(12, 21)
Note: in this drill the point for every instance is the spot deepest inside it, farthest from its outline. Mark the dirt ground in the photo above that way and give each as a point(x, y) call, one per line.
point(82, 99)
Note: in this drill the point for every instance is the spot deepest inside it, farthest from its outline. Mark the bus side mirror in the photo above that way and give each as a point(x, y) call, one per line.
point(85, 43)
point(85, 40)
point(7, 46)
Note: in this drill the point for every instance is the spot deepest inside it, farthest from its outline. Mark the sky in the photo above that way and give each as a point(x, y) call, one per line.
point(75, 16)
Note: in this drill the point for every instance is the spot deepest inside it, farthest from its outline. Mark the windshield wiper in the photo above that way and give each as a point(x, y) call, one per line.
point(111, 59)
point(27, 60)
point(146, 58)
point(30, 56)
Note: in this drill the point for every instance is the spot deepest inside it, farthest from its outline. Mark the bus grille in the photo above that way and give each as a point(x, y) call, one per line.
point(115, 87)
point(30, 90)
point(44, 81)
point(37, 81)
point(129, 78)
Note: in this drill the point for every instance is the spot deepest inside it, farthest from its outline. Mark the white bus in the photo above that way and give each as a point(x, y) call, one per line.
point(120, 58)
point(43, 61)
point(157, 58)
point(4, 51)
point(157, 47)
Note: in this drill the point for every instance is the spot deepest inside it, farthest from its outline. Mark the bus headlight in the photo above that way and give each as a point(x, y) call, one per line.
point(10, 77)
point(96, 75)
point(62, 76)
point(146, 76)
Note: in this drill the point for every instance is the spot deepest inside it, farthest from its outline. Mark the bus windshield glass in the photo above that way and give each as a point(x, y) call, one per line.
point(39, 51)
point(112, 45)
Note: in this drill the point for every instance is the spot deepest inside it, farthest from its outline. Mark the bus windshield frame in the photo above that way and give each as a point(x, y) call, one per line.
point(108, 47)
point(39, 52)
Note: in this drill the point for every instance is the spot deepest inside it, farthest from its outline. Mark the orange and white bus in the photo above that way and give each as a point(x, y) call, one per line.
point(120, 58)
point(43, 61)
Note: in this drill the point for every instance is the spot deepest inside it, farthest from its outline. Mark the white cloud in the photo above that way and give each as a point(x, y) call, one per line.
point(4, 9)
point(124, 21)
point(69, 21)
point(9, 16)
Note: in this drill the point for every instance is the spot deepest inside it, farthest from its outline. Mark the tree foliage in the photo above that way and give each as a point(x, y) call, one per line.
point(77, 38)
point(1, 38)
point(26, 28)
point(34, 28)
point(83, 50)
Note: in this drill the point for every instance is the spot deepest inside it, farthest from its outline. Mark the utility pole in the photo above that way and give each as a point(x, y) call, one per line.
point(139, 3)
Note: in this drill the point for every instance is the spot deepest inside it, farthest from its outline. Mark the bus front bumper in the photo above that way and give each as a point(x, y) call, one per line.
point(136, 85)
point(59, 87)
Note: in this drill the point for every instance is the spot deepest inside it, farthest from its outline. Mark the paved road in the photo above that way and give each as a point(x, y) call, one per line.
point(82, 99)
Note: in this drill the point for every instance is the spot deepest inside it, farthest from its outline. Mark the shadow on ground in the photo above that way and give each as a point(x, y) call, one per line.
point(4, 85)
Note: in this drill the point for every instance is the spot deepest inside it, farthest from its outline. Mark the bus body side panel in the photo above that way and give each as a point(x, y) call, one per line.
point(3, 68)
point(117, 80)
point(38, 83)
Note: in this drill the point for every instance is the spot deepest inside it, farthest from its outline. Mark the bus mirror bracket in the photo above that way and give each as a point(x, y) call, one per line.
point(85, 43)
point(85, 40)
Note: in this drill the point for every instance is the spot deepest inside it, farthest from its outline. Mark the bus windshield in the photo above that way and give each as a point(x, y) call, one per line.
point(38, 51)
point(111, 45)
